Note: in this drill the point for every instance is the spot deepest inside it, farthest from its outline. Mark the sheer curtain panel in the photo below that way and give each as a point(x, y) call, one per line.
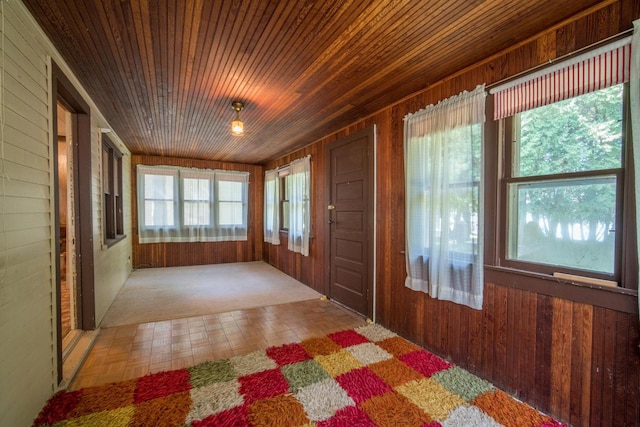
point(272, 207)
point(299, 215)
point(444, 192)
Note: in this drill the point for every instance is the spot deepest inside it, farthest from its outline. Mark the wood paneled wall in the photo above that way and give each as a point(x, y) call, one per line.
point(575, 361)
point(181, 254)
point(309, 270)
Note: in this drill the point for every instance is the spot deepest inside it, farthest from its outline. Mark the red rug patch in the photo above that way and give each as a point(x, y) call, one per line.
point(361, 384)
point(347, 338)
point(424, 362)
point(288, 354)
point(162, 384)
point(348, 417)
point(263, 385)
point(236, 417)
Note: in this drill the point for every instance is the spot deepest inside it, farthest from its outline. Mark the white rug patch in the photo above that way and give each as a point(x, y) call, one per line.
point(214, 398)
point(251, 363)
point(323, 399)
point(368, 353)
point(469, 416)
point(375, 332)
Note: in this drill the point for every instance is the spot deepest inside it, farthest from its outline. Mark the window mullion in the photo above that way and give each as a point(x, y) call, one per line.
point(564, 176)
point(214, 204)
point(178, 201)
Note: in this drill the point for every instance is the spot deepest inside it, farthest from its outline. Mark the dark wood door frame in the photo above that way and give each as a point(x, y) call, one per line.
point(63, 91)
point(370, 133)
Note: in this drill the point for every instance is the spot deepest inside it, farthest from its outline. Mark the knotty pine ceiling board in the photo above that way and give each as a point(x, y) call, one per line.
point(164, 72)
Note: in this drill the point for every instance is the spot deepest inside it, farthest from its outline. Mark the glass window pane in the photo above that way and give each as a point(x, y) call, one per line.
point(158, 213)
point(285, 214)
point(230, 213)
point(196, 189)
point(579, 134)
point(106, 171)
point(196, 213)
point(230, 191)
point(158, 187)
point(567, 223)
point(117, 175)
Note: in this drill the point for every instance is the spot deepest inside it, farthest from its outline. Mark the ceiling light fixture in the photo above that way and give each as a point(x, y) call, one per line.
point(237, 127)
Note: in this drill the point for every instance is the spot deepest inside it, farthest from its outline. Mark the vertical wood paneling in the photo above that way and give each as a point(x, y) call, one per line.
point(632, 361)
point(310, 270)
point(576, 361)
point(198, 253)
point(620, 369)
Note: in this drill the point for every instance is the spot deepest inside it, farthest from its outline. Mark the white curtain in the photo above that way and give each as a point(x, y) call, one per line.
point(635, 119)
point(271, 207)
point(191, 205)
point(444, 193)
point(299, 215)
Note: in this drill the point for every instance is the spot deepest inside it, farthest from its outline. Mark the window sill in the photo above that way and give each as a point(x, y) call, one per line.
point(112, 242)
point(619, 299)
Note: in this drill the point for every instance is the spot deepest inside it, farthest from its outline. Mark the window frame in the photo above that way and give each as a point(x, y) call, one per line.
point(217, 201)
point(617, 298)
point(182, 219)
point(112, 195)
point(282, 178)
point(508, 177)
point(179, 231)
point(177, 220)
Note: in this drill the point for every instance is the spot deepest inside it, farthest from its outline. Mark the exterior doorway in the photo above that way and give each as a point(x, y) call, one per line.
point(67, 276)
point(350, 219)
point(72, 225)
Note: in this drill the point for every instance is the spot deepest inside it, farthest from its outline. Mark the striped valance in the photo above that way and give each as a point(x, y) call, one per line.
point(594, 70)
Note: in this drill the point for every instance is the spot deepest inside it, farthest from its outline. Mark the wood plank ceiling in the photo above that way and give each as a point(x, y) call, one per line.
point(164, 72)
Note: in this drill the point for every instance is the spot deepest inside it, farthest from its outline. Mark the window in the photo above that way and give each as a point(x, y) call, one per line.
point(159, 200)
point(113, 224)
point(230, 205)
point(191, 205)
point(197, 201)
point(564, 183)
point(287, 204)
point(562, 204)
point(298, 221)
point(285, 190)
point(271, 207)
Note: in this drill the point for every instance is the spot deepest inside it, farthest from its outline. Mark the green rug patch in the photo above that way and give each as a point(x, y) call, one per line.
point(462, 383)
point(302, 374)
point(211, 372)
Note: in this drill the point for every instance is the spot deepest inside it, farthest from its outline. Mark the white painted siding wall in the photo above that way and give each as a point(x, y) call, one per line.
point(27, 282)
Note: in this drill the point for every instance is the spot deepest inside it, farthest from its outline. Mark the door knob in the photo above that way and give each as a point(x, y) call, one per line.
point(331, 207)
point(330, 221)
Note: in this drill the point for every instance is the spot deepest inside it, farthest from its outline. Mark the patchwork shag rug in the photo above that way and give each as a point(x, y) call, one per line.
point(362, 377)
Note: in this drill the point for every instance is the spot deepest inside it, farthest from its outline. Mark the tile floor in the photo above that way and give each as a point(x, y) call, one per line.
point(127, 352)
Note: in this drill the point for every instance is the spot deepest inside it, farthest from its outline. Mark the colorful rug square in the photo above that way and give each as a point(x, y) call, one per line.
point(362, 384)
point(262, 385)
point(348, 338)
point(364, 377)
point(288, 353)
point(303, 374)
point(338, 363)
point(425, 362)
